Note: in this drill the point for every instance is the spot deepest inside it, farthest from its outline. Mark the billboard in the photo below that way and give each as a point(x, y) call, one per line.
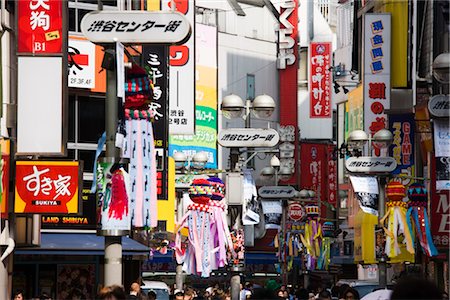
point(47, 187)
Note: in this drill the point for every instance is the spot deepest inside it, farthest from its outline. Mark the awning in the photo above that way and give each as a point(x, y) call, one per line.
point(80, 244)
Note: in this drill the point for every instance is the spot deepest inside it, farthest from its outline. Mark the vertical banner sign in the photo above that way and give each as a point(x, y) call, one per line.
point(205, 138)
point(5, 161)
point(402, 148)
point(49, 187)
point(441, 138)
point(156, 64)
point(440, 213)
point(320, 80)
point(182, 75)
point(332, 176)
point(81, 60)
point(377, 72)
point(40, 27)
point(314, 171)
point(287, 64)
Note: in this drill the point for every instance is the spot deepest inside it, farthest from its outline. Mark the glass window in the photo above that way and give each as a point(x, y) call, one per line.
point(72, 18)
point(91, 118)
point(71, 112)
point(87, 156)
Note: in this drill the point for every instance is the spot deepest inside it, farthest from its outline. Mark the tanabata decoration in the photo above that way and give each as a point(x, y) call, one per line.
point(396, 220)
point(139, 147)
point(312, 238)
point(417, 211)
point(196, 257)
point(220, 234)
point(328, 235)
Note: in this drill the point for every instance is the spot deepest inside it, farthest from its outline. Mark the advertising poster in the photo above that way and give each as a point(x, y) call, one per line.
point(441, 138)
point(439, 212)
point(81, 60)
point(366, 191)
point(273, 211)
point(402, 147)
point(320, 80)
point(75, 282)
point(47, 187)
point(442, 173)
point(205, 138)
point(250, 206)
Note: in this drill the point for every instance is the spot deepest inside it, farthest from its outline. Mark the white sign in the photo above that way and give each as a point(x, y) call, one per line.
point(441, 138)
point(296, 212)
point(366, 191)
point(182, 75)
point(276, 192)
point(139, 27)
point(248, 137)
point(273, 212)
point(286, 56)
point(439, 106)
point(81, 60)
point(120, 57)
point(377, 72)
point(366, 164)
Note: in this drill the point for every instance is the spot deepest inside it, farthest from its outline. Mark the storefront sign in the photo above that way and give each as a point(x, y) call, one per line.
point(40, 26)
point(138, 27)
point(182, 74)
point(332, 176)
point(287, 63)
point(377, 72)
point(296, 212)
point(441, 138)
point(81, 60)
point(320, 80)
point(277, 192)
point(5, 166)
point(439, 106)
point(367, 164)
point(402, 148)
point(47, 187)
point(440, 213)
point(286, 39)
point(248, 137)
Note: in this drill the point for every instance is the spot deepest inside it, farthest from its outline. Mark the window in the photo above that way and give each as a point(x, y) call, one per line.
point(205, 16)
point(79, 8)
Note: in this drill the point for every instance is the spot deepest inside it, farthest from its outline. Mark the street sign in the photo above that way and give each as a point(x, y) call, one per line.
point(296, 212)
point(278, 192)
point(248, 137)
point(368, 164)
point(140, 27)
point(439, 106)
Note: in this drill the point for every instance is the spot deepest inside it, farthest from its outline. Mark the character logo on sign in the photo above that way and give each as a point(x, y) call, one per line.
point(320, 49)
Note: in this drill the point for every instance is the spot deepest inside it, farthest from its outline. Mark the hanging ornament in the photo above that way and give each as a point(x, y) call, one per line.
point(312, 238)
point(328, 235)
point(396, 220)
point(417, 211)
point(220, 233)
point(196, 258)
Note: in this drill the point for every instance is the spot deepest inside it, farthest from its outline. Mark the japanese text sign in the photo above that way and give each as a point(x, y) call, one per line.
point(40, 26)
point(332, 176)
point(402, 148)
point(182, 74)
point(377, 72)
point(81, 61)
point(135, 27)
point(47, 187)
point(5, 158)
point(440, 211)
point(248, 137)
point(277, 192)
point(370, 164)
point(320, 80)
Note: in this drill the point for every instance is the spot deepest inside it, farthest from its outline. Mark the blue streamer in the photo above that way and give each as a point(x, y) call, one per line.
point(101, 143)
point(433, 250)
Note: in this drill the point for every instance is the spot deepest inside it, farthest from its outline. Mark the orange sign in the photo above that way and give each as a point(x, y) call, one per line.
point(48, 187)
point(4, 145)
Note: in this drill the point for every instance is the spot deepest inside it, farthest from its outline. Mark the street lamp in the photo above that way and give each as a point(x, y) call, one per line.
point(441, 67)
point(233, 106)
point(197, 161)
point(280, 173)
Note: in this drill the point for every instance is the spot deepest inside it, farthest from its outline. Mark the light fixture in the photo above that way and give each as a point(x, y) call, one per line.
point(232, 106)
point(357, 138)
point(285, 173)
point(180, 159)
point(267, 173)
point(382, 138)
point(199, 160)
point(303, 194)
point(263, 106)
point(275, 162)
point(441, 67)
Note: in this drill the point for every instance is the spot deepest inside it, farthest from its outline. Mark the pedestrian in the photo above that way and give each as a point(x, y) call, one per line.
point(113, 292)
point(189, 293)
point(351, 294)
point(415, 289)
point(179, 295)
point(136, 292)
point(151, 295)
point(302, 294)
point(324, 295)
point(18, 295)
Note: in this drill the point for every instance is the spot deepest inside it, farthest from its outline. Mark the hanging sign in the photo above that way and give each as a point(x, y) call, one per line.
point(367, 193)
point(441, 138)
point(365, 164)
point(277, 192)
point(248, 137)
point(5, 163)
point(402, 148)
point(320, 80)
point(439, 106)
point(48, 187)
point(296, 212)
point(81, 64)
point(138, 27)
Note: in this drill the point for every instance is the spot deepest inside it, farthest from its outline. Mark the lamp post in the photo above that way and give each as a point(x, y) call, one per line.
point(233, 106)
point(183, 165)
point(382, 139)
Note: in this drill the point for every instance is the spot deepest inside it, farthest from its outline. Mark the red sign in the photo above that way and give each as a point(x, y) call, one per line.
point(40, 26)
point(47, 187)
point(314, 170)
point(288, 68)
point(320, 80)
point(332, 177)
point(5, 146)
point(296, 212)
point(440, 212)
